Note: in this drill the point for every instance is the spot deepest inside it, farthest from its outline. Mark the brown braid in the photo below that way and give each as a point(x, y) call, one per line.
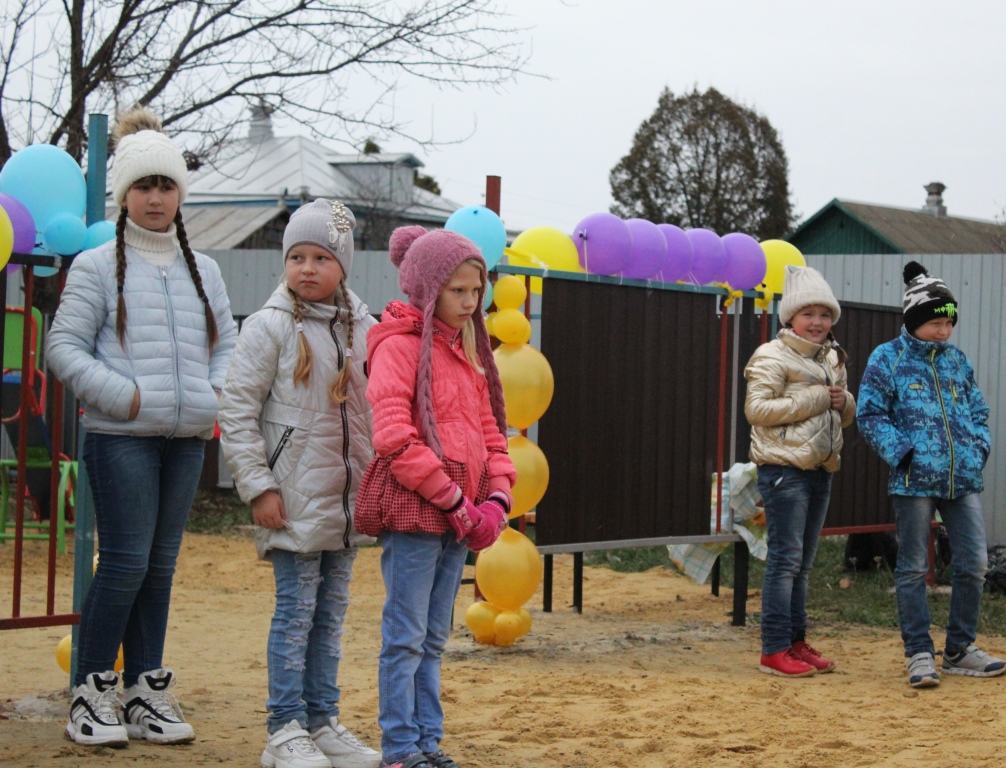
point(120, 275)
point(190, 261)
point(337, 391)
point(842, 354)
point(305, 357)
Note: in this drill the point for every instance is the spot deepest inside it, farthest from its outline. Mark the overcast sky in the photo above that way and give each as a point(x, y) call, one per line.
point(872, 100)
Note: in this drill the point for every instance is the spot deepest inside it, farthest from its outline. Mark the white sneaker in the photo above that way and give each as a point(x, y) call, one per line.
point(291, 747)
point(94, 712)
point(342, 748)
point(151, 713)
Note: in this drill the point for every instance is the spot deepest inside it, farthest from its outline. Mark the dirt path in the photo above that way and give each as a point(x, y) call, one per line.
point(652, 674)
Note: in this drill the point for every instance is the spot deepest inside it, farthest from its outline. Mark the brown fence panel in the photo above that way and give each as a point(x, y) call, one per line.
point(631, 433)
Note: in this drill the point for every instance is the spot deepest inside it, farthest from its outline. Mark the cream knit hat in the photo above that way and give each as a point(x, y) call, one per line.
point(142, 150)
point(801, 287)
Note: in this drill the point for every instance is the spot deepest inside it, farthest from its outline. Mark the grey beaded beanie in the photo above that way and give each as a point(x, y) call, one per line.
point(326, 223)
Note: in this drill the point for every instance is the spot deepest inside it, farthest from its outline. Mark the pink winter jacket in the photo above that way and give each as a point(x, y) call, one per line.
point(465, 422)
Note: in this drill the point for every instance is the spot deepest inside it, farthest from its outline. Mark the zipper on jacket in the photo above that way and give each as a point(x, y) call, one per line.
point(174, 351)
point(280, 446)
point(831, 419)
point(946, 422)
point(344, 412)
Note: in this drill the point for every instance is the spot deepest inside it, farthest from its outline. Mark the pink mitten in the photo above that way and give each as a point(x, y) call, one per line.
point(464, 517)
point(494, 519)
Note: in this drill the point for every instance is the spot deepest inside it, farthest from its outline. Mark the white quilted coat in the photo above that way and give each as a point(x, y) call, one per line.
point(166, 355)
point(789, 407)
point(293, 439)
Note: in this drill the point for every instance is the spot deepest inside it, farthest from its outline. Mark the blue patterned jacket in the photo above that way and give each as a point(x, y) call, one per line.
point(921, 396)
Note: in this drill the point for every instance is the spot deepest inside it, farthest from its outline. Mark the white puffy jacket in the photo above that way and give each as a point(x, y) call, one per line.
point(166, 355)
point(293, 439)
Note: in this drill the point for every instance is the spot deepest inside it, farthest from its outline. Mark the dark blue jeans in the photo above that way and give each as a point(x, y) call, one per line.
point(796, 502)
point(143, 488)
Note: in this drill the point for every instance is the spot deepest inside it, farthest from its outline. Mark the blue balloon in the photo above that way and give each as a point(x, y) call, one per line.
point(489, 296)
point(47, 181)
point(98, 233)
point(482, 227)
point(64, 234)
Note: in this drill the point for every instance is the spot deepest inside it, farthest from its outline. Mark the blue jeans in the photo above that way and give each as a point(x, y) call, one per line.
point(966, 528)
point(422, 573)
point(796, 503)
point(143, 488)
point(305, 638)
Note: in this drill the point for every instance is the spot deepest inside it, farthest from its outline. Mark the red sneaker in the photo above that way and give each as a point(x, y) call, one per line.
point(807, 654)
point(786, 664)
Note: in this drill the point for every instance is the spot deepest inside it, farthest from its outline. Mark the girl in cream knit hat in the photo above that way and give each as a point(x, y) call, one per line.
point(797, 404)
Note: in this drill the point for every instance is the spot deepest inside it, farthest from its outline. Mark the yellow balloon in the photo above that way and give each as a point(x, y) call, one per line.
point(508, 628)
point(510, 326)
point(120, 663)
point(508, 573)
point(509, 292)
point(544, 247)
point(490, 319)
point(532, 475)
point(94, 564)
point(6, 238)
point(778, 253)
point(525, 620)
point(63, 651)
point(480, 618)
point(528, 383)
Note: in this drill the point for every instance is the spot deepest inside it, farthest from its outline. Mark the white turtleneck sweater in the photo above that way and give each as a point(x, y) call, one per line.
point(159, 248)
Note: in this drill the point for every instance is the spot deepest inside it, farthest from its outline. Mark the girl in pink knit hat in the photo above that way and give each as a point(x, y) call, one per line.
point(440, 482)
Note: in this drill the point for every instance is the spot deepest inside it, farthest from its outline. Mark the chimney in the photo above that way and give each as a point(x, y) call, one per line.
point(260, 126)
point(934, 199)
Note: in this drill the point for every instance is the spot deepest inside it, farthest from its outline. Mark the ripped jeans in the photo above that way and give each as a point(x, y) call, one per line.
point(305, 639)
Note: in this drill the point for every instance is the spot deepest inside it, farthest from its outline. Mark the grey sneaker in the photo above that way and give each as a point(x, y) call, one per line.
point(922, 671)
point(342, 748)
point(973, 662)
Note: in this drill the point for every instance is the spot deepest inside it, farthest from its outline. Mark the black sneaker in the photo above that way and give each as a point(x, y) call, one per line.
point(94, 712)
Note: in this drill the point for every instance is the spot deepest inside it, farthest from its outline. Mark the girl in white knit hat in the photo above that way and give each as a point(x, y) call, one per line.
point(797, 404)
point(143, 336)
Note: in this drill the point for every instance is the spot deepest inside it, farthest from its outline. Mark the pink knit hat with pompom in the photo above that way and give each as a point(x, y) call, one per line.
point(426, 261)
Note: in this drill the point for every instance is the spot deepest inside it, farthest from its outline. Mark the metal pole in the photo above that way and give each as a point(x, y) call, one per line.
point(83, 532)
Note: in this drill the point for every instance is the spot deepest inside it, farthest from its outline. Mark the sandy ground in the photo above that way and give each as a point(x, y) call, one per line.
point(651, 674)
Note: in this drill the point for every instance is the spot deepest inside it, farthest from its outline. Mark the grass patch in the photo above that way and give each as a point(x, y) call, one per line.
point(836, 595)
point(218, 511)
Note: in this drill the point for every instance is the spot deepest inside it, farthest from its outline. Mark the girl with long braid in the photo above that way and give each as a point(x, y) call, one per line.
point(440, 482)
point(143, 336)
point(296, 431)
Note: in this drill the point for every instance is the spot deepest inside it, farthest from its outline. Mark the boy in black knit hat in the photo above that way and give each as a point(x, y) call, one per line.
point(921, 410)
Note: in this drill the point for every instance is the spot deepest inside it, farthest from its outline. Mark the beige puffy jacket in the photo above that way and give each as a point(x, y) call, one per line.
point(789, 407)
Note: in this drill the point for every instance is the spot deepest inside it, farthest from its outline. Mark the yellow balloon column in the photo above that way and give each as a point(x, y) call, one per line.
point(508, 573)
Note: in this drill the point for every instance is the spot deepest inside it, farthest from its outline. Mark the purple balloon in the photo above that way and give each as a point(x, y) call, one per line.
point(745, 263)
point(649, 250)
point(709, 256)
point(21, 220)
point(679, 253)
point(604, 243)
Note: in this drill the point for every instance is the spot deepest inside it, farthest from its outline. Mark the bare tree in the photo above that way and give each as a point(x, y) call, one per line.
point(701, 160)
point(331, 66)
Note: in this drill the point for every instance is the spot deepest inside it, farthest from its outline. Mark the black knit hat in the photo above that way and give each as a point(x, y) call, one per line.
point(926, 298)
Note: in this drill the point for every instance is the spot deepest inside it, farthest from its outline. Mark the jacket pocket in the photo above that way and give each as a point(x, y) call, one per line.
point(287, 431)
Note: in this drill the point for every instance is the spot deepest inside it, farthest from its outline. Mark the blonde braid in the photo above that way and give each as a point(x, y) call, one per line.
point(190, 261)
point(337, 391)
point(305, 357)
point(120, 275)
